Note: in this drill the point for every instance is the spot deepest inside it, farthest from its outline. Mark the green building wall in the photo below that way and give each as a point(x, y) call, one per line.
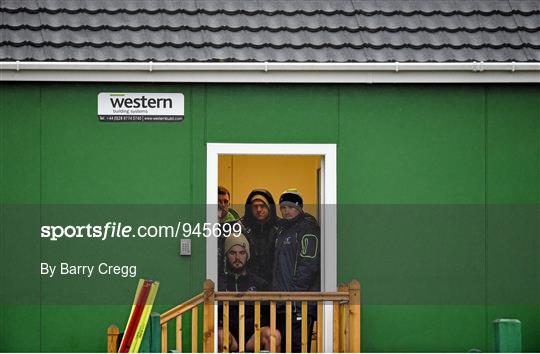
point(438, 193)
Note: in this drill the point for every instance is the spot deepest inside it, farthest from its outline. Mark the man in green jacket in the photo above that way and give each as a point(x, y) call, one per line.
point(225, 212)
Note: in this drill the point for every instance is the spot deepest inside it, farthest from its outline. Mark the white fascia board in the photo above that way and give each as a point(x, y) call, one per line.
point(474, 72)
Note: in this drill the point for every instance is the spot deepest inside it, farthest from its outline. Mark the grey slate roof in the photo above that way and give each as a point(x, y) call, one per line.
point(270, 30)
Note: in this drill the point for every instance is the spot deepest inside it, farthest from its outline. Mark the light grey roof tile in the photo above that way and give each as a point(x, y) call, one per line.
point(277, 30)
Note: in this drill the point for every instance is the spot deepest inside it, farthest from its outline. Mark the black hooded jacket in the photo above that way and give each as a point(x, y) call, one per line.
point(261, 236)
point(297, 264)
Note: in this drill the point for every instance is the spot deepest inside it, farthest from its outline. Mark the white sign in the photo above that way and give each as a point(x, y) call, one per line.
point(147, 107)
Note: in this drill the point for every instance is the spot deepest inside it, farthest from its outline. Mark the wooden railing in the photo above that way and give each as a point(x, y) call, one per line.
point(345, 325)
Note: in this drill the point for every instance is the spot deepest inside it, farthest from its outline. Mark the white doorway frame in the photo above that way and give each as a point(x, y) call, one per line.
point(328, 193)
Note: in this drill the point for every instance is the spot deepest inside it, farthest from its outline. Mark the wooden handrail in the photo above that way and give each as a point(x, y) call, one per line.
point(346, 304)
point(281, 296)
point(182, 308)
point(346, 318)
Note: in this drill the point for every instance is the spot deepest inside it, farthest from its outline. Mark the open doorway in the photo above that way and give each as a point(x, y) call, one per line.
point(241, 174)
point(314, 168)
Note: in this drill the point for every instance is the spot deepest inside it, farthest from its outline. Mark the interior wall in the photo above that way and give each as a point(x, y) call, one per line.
point(240, 174)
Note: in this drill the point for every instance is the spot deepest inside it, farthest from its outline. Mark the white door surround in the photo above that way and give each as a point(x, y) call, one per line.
point(328, 193)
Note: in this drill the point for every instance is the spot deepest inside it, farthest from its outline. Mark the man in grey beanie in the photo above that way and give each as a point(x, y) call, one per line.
point(237, 277)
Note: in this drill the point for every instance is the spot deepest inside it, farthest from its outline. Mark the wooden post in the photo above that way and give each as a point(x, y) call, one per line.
point(304, 326)
point(345, 329)
point(225, 327)
point(208, 317)
point(354, 313)
point(320, 348)
point(164, 338)
point(194, 329)
point(272, 326)
point(257, 327)
point(179, 333)
point(344, 322)
point(241, 327)
point(112, 339)
point(288, 328)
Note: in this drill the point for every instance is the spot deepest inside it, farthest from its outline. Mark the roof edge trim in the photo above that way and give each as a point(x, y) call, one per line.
point(270, 66)
point(271, 72)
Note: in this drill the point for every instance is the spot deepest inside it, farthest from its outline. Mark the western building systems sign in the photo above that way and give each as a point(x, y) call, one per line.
point(140, 107)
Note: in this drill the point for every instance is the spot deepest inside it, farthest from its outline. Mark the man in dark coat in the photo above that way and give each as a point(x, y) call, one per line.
point(259, 226)
point(296, 261)
point(236, 277)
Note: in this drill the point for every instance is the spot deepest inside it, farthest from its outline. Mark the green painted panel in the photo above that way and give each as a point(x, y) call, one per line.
point(21, 255)
point(513, 145)
point(20, 143)
point(422, 270)
point(422, 328)
point(20, 183)
point(80, 328)
point(414, 254)
point(411, 144)
point(435, 268)
point(411, 186)
point(88, 161)
point(272, 113)
point(513, 209)
point(513, 254)
point(3, 326)
point(198, 175)
point(21, 332)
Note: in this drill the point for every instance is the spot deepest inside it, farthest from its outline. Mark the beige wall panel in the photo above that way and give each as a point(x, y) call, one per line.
point(243, 173)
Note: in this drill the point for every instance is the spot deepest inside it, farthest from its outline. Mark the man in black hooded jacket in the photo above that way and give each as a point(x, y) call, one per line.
point(259, 226)
point(296, 261)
